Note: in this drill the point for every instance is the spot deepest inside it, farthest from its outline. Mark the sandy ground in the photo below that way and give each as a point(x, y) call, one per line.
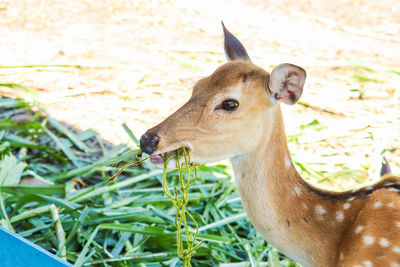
point(140, 59)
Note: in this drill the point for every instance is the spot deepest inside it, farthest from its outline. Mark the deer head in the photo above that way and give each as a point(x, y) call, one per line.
point(229, 113)
point(235, 113)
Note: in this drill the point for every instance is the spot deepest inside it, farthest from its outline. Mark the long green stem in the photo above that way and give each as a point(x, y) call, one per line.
point(180, 201)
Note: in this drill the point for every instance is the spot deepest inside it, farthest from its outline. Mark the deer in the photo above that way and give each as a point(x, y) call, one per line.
point(235, 114)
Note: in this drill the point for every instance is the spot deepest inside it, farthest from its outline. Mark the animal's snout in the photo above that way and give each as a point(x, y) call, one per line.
point(149, 142)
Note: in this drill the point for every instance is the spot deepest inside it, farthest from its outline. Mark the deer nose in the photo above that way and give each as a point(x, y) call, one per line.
point(148, 143)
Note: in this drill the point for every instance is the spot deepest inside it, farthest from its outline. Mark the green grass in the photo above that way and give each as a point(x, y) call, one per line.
point(75, 213)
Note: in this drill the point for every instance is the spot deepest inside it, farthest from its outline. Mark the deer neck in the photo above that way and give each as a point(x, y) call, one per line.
point(281, 206)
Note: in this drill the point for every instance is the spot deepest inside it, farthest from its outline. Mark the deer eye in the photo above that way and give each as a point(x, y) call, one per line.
point(229, 105)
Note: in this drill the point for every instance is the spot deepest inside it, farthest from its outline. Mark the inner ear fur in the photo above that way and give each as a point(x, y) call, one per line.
point(286, 83)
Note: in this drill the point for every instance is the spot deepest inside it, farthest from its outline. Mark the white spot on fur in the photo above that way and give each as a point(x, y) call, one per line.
point(305, 206)
point(377, 204)
point(341, 256)
point(287, 161)
point(383, 242)
point(357, 266)
point(396, 249)
point(339, 216)
point(394, 189)
point(351, 199)
point(319, 210)
point(391, 205)
point(389, 184)
point(394, 264)
point(358, 229)
point(398, 224)
point(368, 264)
point(369, 240)
point(297, 190)
point(346, 206)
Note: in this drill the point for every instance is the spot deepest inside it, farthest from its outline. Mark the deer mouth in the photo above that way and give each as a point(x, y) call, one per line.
point(158, 159)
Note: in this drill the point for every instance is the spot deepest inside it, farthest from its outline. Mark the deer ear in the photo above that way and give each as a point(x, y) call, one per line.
point(234, 50)
point(286, 83)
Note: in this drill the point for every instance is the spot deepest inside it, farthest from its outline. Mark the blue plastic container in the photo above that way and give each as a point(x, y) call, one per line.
point(16, 251)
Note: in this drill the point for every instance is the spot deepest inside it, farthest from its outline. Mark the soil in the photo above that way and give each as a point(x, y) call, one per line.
point(139, 60)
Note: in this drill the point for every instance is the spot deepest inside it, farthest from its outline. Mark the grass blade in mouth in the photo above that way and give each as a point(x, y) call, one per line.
point(126, 166)
point(180, 198)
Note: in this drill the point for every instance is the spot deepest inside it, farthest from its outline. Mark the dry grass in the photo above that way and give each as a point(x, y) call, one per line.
point(139, 60)
point(103, 63)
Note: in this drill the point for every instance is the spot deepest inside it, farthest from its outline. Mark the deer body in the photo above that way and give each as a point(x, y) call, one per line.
point(308, 224)
point(235, 113)
point(268, 185)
